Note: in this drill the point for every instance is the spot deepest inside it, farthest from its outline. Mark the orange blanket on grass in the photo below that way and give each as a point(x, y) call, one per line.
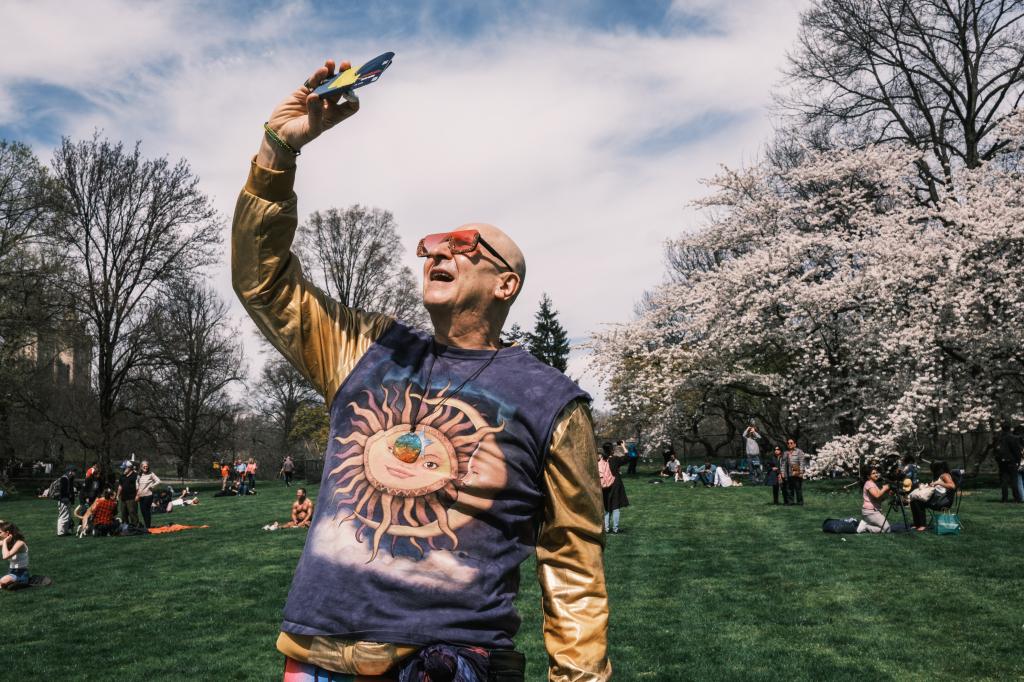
point(173, 528)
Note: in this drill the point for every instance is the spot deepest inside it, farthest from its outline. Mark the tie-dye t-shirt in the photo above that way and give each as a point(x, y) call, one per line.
point(419, 532)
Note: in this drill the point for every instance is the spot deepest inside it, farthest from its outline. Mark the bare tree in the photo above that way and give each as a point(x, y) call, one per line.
point(937, 74)
point(197, 356)
point(132, 226)
point(33, 305)
point(354, 254)
point(279, 394)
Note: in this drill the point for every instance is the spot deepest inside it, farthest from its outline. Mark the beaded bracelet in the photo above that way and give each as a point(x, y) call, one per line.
point(274, 136)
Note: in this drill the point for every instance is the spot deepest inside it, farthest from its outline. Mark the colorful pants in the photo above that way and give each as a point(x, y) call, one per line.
point(305, 672)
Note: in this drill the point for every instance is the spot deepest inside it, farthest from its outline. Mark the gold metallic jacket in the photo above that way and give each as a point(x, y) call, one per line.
point(325, 340)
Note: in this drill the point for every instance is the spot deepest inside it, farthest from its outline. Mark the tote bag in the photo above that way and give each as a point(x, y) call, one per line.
point(947, 524)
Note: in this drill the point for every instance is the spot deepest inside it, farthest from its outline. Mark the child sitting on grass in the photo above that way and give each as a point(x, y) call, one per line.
point(14, 549)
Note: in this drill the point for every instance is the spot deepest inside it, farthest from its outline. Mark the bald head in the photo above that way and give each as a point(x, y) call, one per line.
point(504, 245)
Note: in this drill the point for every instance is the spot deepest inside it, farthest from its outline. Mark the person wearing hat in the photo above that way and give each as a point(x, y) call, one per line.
point(452, 457)
point(127, 489)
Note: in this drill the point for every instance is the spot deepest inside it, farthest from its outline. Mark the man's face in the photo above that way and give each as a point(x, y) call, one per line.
point(473, 281)
point(791, 444)
point(459, 281)
point(300, 494)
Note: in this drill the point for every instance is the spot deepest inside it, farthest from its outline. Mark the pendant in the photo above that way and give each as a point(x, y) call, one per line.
point(408, 447)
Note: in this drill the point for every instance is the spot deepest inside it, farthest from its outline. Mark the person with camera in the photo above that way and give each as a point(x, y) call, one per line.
point(936, 495)
point(871, 508)
point(462, 485)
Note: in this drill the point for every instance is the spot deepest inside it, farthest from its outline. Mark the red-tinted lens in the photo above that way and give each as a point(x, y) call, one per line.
point(459, 241)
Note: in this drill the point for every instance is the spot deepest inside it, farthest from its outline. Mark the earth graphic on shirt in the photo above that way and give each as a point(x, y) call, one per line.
point(415, 483)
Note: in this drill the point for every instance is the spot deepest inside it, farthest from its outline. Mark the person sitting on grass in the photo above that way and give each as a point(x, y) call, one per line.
point(302, 513)
point(671, 468)
point(232, 490)
point(871, 509)
point(14, 549)
point(936, 495)
point(707, 474)
point(79, 513)
point(102, 514)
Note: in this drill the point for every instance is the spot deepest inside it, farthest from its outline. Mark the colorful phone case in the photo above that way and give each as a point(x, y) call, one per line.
point(349, 80)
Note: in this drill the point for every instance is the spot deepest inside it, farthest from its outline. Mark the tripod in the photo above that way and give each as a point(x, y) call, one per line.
point(898, 500)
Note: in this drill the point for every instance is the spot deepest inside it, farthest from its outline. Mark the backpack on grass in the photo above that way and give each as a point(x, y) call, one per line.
point(840, 525)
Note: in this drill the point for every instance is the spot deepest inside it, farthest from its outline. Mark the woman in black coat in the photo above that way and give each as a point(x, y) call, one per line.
point(772, 477)
point(615, 492)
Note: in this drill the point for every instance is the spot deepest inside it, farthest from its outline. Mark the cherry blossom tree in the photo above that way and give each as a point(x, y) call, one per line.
point(836, 307)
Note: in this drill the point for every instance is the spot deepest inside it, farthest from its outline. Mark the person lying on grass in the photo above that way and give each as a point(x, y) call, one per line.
point(14, 549)
point(302, 513)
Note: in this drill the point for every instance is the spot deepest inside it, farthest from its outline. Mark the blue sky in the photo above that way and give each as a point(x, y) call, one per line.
point(581, 128)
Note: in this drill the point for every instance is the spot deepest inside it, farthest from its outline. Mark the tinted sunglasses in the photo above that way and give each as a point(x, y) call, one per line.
point(459, 241)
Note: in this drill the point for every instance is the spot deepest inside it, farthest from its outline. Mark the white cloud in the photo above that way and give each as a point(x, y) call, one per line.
point(542, 129)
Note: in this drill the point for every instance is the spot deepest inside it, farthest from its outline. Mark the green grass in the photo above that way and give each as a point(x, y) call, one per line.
point(704, 585)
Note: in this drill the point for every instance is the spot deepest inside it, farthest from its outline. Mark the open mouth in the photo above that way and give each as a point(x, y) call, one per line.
point(441, 276)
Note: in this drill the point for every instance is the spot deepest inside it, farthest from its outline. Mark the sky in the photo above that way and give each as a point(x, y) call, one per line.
point(582, 129)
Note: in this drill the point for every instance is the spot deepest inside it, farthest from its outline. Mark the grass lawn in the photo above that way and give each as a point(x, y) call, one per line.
point(704, 585)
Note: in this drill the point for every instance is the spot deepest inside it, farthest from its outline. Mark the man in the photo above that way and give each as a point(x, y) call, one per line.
point(127, 489)
point(707, 474)
point(793, 473)
point(450, 459)
point(302, 511)
point(64, 498)
point(1008, 454)
point(287, 468)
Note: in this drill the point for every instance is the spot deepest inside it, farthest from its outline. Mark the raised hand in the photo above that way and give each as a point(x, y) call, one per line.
point(302, 117)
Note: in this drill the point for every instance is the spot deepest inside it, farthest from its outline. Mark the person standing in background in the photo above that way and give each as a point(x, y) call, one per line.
point(773, 476)
point(147, 481)
point(250, 474)
point(127, 489)
point(634, 456)
point(614, 493)
point(287, 469)
point(1008, 452)
point(64, 499)
point(750, 438)
point(793, 472)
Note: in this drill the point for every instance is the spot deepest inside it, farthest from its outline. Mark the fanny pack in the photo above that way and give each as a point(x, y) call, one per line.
point(445, 663)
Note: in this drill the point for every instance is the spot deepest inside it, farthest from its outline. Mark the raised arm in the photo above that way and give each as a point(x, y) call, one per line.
point(570, 561)
point(9, 549)
point(320, 337)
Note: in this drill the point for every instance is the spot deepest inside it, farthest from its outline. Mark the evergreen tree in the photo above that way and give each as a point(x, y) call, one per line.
point(549, 342)
point(516, 334)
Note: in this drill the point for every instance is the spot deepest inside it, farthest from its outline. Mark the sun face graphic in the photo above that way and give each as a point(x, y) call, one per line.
point(415, 485)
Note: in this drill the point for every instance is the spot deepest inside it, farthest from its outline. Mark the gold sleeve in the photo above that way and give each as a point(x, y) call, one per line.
point(322, 338)
point(570, 561)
